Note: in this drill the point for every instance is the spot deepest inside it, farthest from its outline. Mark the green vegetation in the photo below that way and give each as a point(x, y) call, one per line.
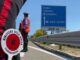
point(39, 33)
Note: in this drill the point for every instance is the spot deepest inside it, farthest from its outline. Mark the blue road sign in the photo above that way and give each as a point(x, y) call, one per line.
point(53, 16)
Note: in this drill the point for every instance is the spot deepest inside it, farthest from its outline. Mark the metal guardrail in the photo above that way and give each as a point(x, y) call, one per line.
point(70, 38)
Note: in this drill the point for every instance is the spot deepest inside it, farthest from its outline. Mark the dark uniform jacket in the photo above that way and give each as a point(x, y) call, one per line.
point(9, 10)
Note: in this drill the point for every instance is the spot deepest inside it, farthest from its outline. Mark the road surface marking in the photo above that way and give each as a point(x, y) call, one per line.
point(22, 54)
point(46, 52)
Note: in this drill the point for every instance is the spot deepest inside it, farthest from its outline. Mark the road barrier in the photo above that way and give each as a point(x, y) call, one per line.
point(69, 38)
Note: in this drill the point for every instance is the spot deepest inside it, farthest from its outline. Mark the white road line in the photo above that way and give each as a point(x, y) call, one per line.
point(41, 50)
point(22, 54)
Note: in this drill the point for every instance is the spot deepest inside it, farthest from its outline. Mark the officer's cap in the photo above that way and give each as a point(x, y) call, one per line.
point(26, 14)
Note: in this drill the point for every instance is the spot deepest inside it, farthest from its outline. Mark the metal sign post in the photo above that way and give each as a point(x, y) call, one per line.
point(12, 42)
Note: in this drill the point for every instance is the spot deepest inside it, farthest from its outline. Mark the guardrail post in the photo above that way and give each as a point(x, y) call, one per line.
point(60, 47)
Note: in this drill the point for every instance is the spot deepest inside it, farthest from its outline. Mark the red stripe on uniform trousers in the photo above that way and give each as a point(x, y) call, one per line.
point(3, 18)
point(4, 13)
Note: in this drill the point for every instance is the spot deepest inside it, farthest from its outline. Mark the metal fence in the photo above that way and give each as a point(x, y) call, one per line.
point(70, 38)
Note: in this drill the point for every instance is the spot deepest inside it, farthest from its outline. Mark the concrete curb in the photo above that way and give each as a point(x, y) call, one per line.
point(62, 54)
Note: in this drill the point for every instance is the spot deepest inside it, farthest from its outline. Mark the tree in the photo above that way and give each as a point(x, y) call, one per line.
point(40, 32)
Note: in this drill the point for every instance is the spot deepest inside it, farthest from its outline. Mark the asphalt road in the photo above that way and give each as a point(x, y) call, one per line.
point(36, 53)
